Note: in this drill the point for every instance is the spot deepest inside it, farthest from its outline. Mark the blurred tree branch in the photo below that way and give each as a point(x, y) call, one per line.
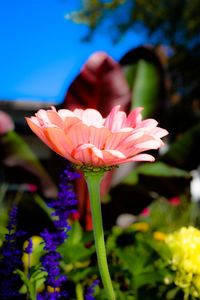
point(173, 21)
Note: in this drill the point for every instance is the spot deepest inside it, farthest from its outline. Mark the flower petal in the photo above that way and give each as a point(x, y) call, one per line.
point(54, 118)
point(139, 157)
point(110, 156)
point(88, 154)
point(134, 118)
point(159, 132)
point(98, 136)
point(110, 119)
point(147, 125)
point(42, 117)
point(35, 127)
point(65, 113)
point(92, 117)
point(78, 133)
point(116, 120)
point(116, 139)
point(60, 142)
point(151, 144)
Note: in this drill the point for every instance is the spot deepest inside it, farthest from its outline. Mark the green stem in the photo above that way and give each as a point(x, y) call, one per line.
point(79, 292)
point(29, 259)
point(93, 180)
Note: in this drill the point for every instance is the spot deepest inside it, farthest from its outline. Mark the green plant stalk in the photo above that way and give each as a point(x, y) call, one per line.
point(29, 260)
point(93, 180)
point(79, 292)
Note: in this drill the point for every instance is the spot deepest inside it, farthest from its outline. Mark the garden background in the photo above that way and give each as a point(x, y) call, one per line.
point(99, 54)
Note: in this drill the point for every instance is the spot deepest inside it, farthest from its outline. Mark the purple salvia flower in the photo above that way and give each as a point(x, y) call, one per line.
point(29, 248)
point(63, 206)
point(90, 291)
point(51, 296)
point(11, 259)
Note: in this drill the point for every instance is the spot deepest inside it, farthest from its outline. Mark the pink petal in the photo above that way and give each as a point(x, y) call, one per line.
point(98, 136)
point(134, 118)
point(60, 142)
point(147, 124)
point(65, 113)
point(115, 140)
point(110, 119)
point(141, 157)
point(54, 118)
point(35, 127)
point(152, 144)
point(159, 132)
point(118, 121)
point(112, 156)
point(78, 112)
point(88, 154)
point(78, 133)
point(128, 143)
point(92, 117)
point(42, 117)
point(70, 122)
point(83, 153)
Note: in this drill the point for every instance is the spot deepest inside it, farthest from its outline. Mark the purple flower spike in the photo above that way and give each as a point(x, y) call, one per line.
point(90, 291)
point(63, 207)
point(29, 248)
point(11, 259)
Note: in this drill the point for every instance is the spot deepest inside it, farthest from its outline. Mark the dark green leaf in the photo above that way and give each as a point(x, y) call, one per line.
point(157, 169)
point(185, 151)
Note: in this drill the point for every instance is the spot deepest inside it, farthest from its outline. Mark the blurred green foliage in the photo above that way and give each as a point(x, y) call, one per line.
point(165, 81)
point(174, 21)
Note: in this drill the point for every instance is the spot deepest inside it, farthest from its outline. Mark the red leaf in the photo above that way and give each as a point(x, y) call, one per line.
point(100, 85)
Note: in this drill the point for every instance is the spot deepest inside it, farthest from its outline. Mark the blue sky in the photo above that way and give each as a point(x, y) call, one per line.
point(41, 51)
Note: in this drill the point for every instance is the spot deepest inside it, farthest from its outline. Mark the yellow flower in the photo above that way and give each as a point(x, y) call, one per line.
point(34, 259)
point(51, 289)
point(159, 236)
point(141, 226)
point(184, 246)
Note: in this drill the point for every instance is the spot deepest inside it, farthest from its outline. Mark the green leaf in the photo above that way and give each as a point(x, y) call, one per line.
point(185, 151)
point(172, 293)
point(161, 169)
point(37, 275)
point(75, 253)
point(22, 276)
point(130, 74)
point(23, 289)
point(157, 169)
point(131, 178)
point(30, 286)
point(75, 234)
point(82, 273)
point(148, 278)
point(130, 259)
point(88, 236)
point(120, 294)
point(145, 88)
point(144, 82)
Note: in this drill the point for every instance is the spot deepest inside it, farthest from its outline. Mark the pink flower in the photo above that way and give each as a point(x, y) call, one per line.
point(32, 187)
point(145, 212)
point(84, 137)
point(6, 123)
point(174, 201)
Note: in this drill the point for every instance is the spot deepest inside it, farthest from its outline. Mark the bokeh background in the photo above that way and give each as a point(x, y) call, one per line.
point(100, 53)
